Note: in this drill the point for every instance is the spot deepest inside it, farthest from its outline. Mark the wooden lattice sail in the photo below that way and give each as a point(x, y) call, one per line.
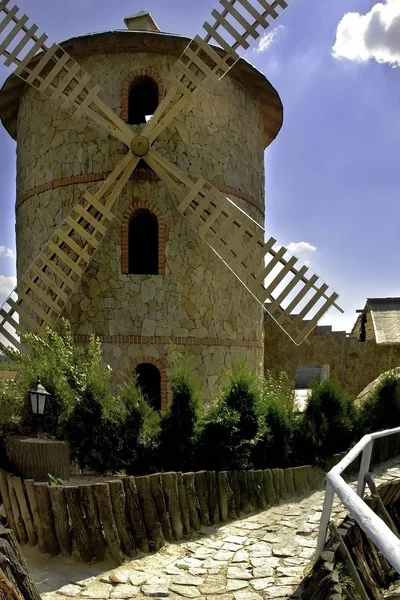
point(277, 280)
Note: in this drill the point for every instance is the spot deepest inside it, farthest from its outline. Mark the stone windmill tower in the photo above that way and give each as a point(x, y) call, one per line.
point(110, 238)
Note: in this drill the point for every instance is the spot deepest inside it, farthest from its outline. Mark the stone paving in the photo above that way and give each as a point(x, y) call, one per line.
point(263, 556)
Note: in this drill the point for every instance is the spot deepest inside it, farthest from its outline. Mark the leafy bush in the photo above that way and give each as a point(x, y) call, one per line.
point(139, 432)
point(179, 424)
point(382, 409)
point(66, 370)
point(327, 425)
point(228, 430)
point(274, 446)
point(277, 391)
point(243, 396)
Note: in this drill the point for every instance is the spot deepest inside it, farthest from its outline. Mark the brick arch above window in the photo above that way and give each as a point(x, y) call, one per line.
point(163, 376)
point(129, 214)
point(134, 77)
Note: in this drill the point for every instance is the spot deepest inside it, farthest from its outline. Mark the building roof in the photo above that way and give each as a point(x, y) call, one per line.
point(146, 41)
point(385, 317)
point(385, 314)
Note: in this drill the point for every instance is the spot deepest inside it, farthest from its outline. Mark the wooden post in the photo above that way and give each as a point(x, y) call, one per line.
point(381, 508)
point(103, 501)
point(183, 504)
point(159, 501)
point(134, 514)
point(211, 479)
point(36, 457)
point(258, 480)
point(46, 517)
point(92, 518)
point(282, 484)
point(234, 503)
point(245, 506)
point(251, 489)
point(19, 492)
point(276, 483)
point(224, 494)
point(170, 486)
point(80, 527)
point(119, 509)
point(346, 557)
point(202, 495)
point(288, 476)
point(14, 566)
point(4, 491)
point(193, 501)
point(61, 519)
point(30, 491)
point(269, 488)
point(19, 522)
point(149, 512)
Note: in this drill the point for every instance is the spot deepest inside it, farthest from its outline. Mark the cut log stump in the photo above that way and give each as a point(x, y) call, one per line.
point(34, 458)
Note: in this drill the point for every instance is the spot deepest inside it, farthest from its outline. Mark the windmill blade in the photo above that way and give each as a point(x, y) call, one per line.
point(42, 293)
point(54, 73)
point(280, 282)
point(201, 66)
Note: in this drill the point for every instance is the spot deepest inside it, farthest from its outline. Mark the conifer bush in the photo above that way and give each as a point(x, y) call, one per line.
point(382, 409)
point(228, 430)
point(327, 426)
point(179, 425)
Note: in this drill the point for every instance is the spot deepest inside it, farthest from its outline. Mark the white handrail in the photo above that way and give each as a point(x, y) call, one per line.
point(369, 522)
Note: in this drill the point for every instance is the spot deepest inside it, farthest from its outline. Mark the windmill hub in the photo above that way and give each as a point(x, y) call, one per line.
point(140, 145)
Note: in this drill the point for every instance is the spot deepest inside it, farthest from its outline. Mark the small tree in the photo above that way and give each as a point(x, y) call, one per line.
point(328, 423)
point(228, 431)
point(382, 409)
point(139, 432)
point(179, 424)
point(243, 395)
point(274, 445)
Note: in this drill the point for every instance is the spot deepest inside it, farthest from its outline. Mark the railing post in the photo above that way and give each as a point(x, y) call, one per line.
point(325, 518)
point(364, 468)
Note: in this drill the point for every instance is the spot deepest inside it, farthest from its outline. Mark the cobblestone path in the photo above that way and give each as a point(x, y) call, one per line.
point(259, 557)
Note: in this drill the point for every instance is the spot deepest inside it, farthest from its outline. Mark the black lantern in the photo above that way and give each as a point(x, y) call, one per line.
point(38, 395)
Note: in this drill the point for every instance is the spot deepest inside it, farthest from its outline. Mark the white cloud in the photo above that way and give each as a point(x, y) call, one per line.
point(7, 284)
point(375, 35)
point(268, 38)
point(301, 247)
point(6, 252)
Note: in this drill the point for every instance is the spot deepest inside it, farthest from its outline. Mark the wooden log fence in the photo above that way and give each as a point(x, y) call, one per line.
point(118, 518)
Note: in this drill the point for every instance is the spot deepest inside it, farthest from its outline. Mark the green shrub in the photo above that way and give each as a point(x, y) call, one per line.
point(382, 409)
point(65, 369)
point(276, 391)
point(220, 444)
point(179, 424)
point(228, 430)
point(139, 433)
point(243, 396)
point(328, 424)
point(274, 446)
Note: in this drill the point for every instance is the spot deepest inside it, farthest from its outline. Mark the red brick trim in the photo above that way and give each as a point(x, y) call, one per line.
point(127, 216)
point(135, 77)
point(159, 339)
point(137, 175)
point(163, 374)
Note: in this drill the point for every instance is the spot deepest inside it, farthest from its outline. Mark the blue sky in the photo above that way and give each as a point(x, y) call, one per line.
point(332, 175)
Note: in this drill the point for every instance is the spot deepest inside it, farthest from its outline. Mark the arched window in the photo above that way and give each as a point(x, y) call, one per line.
point(148, 379)
point(143, 99)
point(143, 243)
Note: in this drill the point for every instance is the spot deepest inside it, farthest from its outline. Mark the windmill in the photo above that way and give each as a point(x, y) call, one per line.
point(277, 281)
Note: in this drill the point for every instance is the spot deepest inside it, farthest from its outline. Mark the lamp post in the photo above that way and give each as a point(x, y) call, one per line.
point(38, 395)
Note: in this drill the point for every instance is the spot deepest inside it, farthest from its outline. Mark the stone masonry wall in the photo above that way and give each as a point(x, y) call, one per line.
point(197, 304)
point(352, 363)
